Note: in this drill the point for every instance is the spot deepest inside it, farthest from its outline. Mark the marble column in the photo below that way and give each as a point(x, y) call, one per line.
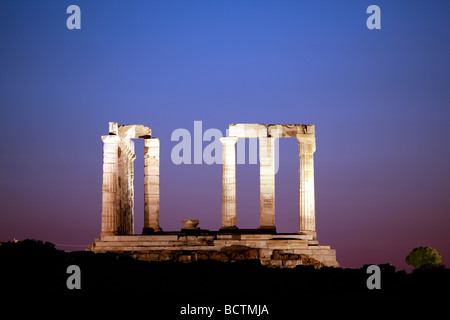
point(306, 206)
point(110, 197)
point(130, 194)
point(267, 183)
point(151, 186)
point(229, 219)
point(126, 185)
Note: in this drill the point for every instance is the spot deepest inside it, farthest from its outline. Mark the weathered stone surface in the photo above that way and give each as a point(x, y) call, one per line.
point(133, 131)
point(247, 130)
point(110, 208)
point(190, 224)
point(229, 218)
point(118, 189)
point(151, 185)
point(229, 254)
point(290, 130)
point(306, 205)
point(192, 244)
point(267, 182)
point(118, 177)
point(186, 248)
point(256, 236)
point(113, 128)
point(138, 238)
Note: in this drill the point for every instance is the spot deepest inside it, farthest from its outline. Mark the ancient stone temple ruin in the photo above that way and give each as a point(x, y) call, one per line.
point(191, 243)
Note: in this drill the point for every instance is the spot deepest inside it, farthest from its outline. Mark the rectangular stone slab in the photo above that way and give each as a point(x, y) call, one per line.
point(130, 131)
point(247, 130)
point(290, 130)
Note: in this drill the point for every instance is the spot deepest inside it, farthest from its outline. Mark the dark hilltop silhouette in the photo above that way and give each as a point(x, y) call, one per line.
point(34, 267)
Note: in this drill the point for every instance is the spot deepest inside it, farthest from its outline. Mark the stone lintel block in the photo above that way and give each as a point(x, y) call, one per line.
point(132, 131)
point(247, 130)
point(290, 130)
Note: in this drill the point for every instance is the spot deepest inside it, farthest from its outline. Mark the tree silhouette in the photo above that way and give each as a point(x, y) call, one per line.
point(423, 257)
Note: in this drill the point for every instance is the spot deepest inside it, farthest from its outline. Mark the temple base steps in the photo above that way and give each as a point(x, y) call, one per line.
point(272, 250)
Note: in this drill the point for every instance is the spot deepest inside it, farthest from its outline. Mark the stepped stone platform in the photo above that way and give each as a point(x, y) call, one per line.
point(229, 243)
point(272, 250)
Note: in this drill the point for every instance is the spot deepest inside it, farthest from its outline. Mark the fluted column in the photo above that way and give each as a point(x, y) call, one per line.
point(306, 206)
point(151, 186)
point(229, 219)
point(267, 183)
point(130, 194)
point(110, 198)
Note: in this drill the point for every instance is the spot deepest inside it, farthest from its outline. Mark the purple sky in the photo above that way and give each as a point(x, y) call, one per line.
point(379, 100)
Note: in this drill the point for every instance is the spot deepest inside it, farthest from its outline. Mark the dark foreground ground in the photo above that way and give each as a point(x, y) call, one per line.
point(33, 270)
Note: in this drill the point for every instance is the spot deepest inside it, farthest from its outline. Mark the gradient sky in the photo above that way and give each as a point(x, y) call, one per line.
point(379, 100)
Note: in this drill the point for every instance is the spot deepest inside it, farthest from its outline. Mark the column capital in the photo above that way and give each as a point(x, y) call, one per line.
point(228, 140)
point(306, 143)
point(307, 138)
point(110, 139)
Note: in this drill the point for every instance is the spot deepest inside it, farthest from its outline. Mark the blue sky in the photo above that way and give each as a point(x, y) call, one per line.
point(379, 100)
